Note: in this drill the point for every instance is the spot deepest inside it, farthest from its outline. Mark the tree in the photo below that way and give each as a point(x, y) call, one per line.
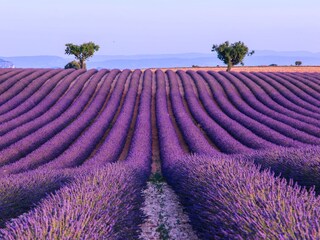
point(82, 52)
point(74, 64)
point(232, 54)
point(298, 63)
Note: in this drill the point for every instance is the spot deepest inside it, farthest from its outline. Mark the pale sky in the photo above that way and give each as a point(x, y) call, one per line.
point(127, 27)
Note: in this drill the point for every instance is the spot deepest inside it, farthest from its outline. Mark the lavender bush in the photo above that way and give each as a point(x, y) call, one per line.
point(232, 199)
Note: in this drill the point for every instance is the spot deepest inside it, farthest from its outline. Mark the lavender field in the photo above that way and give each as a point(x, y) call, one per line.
point(240, 150)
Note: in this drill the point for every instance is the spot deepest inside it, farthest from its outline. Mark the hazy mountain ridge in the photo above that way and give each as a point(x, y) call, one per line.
point(261, 57)
point(6, 64)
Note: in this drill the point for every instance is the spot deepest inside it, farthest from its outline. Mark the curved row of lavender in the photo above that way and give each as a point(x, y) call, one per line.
point(102, 202)
point(230, 198)
point(62, 132)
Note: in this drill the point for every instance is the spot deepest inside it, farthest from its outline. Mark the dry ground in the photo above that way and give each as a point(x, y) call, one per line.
point(253, 68)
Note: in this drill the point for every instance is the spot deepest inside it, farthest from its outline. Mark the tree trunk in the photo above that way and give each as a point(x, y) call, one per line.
point(229, 67)
point(82, 64)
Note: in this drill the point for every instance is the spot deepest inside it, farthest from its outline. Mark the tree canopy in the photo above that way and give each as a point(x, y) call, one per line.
point(232, 54)
point(82, 52)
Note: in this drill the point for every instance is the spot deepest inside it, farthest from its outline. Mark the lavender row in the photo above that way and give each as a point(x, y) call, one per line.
point(279, 110)
point(140, 151)
point(4, 71)
point(225, 106)
point(41, 135)
point(169, 143)
point(11, 81)
point(21, 85)
point(20, 193)
point(113, 145)
point(25, 102)
point(294, 119)
point(233, 199)
point(56, 96)
point(302, 83)
point(83, 147)
point(62, 140)
point(299, 164)
point(27, 91)
point(283, 96)
point(254, 106)
point(102, 204)
point(260, 90)
point(236, 130)
point(9, 74)
point(311, 77)
point(191, 133)
point(138, 158)
point(241, 105)
point(305, 100)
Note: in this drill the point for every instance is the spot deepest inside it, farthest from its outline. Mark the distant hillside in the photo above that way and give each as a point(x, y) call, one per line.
point(261, 57)
point(6, 64)
point(37, 61)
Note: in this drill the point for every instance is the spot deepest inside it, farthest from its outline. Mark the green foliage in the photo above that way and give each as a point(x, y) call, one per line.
point(74, 64)
point(298, 63)
point(156, 178)
point(232, 54)
point(82, 52)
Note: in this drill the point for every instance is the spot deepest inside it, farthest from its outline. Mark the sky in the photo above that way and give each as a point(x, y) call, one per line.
point(131, 27)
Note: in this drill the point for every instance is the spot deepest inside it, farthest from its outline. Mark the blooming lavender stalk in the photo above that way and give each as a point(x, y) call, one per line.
point(267, 119)
point(61, 141)
point(236, 130)
point(20, 193)
point(232, 199)
point(305, 100)
point(41, 135)
point(56, 96)
point(299, 164)
point(32, 101)
point(191, 133)
point(102, 204)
